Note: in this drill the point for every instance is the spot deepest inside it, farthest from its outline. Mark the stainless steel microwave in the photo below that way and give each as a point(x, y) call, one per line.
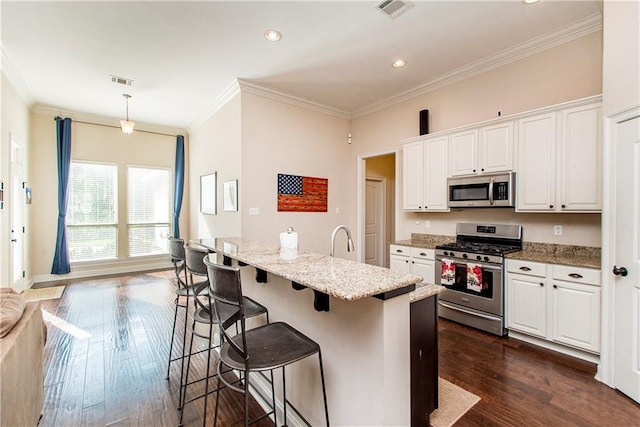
point(482, 191)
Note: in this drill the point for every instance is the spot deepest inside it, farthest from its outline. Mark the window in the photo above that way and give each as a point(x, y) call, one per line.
point(92, 211)
point(149, 204)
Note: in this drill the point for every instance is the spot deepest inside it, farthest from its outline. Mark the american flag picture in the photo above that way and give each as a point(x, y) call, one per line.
point(302, 193)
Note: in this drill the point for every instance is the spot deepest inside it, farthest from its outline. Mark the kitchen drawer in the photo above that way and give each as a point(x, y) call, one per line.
point(400, 250)
point(526, 267)
point(419, 253)
point(576, 274)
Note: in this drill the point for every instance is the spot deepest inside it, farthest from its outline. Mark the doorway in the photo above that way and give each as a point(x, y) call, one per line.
point(376, 206)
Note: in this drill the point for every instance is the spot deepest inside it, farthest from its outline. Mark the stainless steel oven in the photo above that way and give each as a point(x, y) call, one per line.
point(472, 271)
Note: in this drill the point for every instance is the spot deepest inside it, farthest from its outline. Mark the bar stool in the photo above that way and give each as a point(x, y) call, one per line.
point(261, 349)
point(203, 315)
point(184, 291)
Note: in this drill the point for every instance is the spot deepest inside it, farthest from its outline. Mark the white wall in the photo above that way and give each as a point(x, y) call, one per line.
point(90, 143)
point(570, 71)
point(15, 122)
point(215, 146)
point(283, 138)
point(621, 65)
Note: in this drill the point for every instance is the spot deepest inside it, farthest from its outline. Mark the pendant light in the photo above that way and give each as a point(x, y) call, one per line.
point(126, 125)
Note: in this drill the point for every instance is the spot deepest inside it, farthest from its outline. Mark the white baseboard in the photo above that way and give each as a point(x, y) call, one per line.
point(97, 270)
point(570, 351)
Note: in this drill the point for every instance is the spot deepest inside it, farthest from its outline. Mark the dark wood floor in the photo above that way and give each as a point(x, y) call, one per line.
point(106, 355)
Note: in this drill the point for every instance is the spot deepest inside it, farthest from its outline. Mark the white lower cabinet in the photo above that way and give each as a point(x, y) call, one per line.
point(418, 261)
point(560, 304)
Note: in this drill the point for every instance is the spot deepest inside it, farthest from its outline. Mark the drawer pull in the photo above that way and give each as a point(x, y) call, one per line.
point(423, 254)
point(399, 251)
point(524, 268)
point(575, 275)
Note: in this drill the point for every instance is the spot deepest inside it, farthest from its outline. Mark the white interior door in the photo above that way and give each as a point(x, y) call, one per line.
point(627, 256)
point(17, 216)
point(374, 228)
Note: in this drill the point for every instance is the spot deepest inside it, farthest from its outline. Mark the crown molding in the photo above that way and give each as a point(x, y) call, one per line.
point(16, 80)
point(255, 89)
point(220, 101)
point(49, 110)
point(586, 26)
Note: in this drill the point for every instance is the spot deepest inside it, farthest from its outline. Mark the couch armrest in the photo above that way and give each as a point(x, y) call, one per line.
point(21, 370)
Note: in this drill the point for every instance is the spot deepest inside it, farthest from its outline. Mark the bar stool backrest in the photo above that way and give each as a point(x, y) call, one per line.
point(176, 249)
point(225, 287)
point(194, 258)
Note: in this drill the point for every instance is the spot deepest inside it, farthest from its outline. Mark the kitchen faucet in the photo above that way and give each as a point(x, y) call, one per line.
point(350, 246)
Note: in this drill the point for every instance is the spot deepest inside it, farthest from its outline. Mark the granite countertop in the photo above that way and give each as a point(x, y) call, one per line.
point(337, 277)
point(425, 241)
point(425, 291)
point(576, 256)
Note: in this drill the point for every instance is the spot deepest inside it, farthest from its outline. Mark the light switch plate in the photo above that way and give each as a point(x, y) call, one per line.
point(254, 211)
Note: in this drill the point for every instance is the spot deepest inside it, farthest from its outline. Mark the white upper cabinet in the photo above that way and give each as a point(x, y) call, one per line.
point(435, 174)
point(412, 176)
point(581, 159)
point(463, 153)
point(496, 148)
point(536, 172)
point(424, 174)
point(560, 162)
point(481, 150)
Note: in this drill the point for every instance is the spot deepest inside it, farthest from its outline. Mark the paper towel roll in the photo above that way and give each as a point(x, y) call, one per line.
point(288, 245)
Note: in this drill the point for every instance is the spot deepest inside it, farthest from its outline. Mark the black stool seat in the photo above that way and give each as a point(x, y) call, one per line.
point(271, 346)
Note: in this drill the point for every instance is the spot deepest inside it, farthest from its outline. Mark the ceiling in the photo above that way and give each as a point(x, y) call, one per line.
point(183, 55)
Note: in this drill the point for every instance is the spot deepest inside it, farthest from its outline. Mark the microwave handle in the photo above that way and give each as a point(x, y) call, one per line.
point(491, 191)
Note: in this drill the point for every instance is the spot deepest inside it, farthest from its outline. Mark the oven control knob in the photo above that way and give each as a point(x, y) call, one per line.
point(486, 258)
point(452, 254)
point(479, 258)
point(465, 256)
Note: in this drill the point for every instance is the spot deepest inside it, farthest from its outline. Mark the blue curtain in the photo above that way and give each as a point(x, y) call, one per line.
point(63, 141)
point(178, 185)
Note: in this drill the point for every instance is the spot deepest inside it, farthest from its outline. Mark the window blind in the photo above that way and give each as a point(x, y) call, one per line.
point(92, 211)
point(149, 210)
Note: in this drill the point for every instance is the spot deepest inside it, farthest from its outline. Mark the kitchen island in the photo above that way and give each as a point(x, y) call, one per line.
point(377, 335)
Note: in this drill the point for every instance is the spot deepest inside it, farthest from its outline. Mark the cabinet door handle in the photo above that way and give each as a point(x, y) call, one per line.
point(551, 206)
point(541, 284)
point(555, 286)
point(564, 206)
point(524, 268)
point(575, 275)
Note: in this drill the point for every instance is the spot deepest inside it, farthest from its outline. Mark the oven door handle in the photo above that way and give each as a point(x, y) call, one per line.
point(483, 266)
point(473, 313)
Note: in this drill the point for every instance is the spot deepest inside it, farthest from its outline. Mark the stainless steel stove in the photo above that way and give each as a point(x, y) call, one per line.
point(472, 271)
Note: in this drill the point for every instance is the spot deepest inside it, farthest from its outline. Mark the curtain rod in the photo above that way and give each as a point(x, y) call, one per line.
point(118, 127)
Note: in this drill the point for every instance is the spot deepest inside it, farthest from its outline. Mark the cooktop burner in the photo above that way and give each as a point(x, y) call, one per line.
point(487, 239)
point(480, 248)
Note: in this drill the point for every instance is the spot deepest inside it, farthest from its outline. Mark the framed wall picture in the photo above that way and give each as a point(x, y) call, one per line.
point(230, 196)
point(208, 193)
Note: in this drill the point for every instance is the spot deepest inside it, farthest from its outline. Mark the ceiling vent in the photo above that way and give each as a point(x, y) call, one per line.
point(394, 8)
point(121, 80)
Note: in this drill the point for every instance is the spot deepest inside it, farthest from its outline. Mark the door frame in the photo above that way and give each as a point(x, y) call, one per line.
point(361, 182)
point(606, 367)
point(383, 253)
point(23, 284)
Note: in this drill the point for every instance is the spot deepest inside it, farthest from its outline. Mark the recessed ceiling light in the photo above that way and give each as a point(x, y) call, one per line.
point(272, 35)
point(399, 63)
point(529, 1)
